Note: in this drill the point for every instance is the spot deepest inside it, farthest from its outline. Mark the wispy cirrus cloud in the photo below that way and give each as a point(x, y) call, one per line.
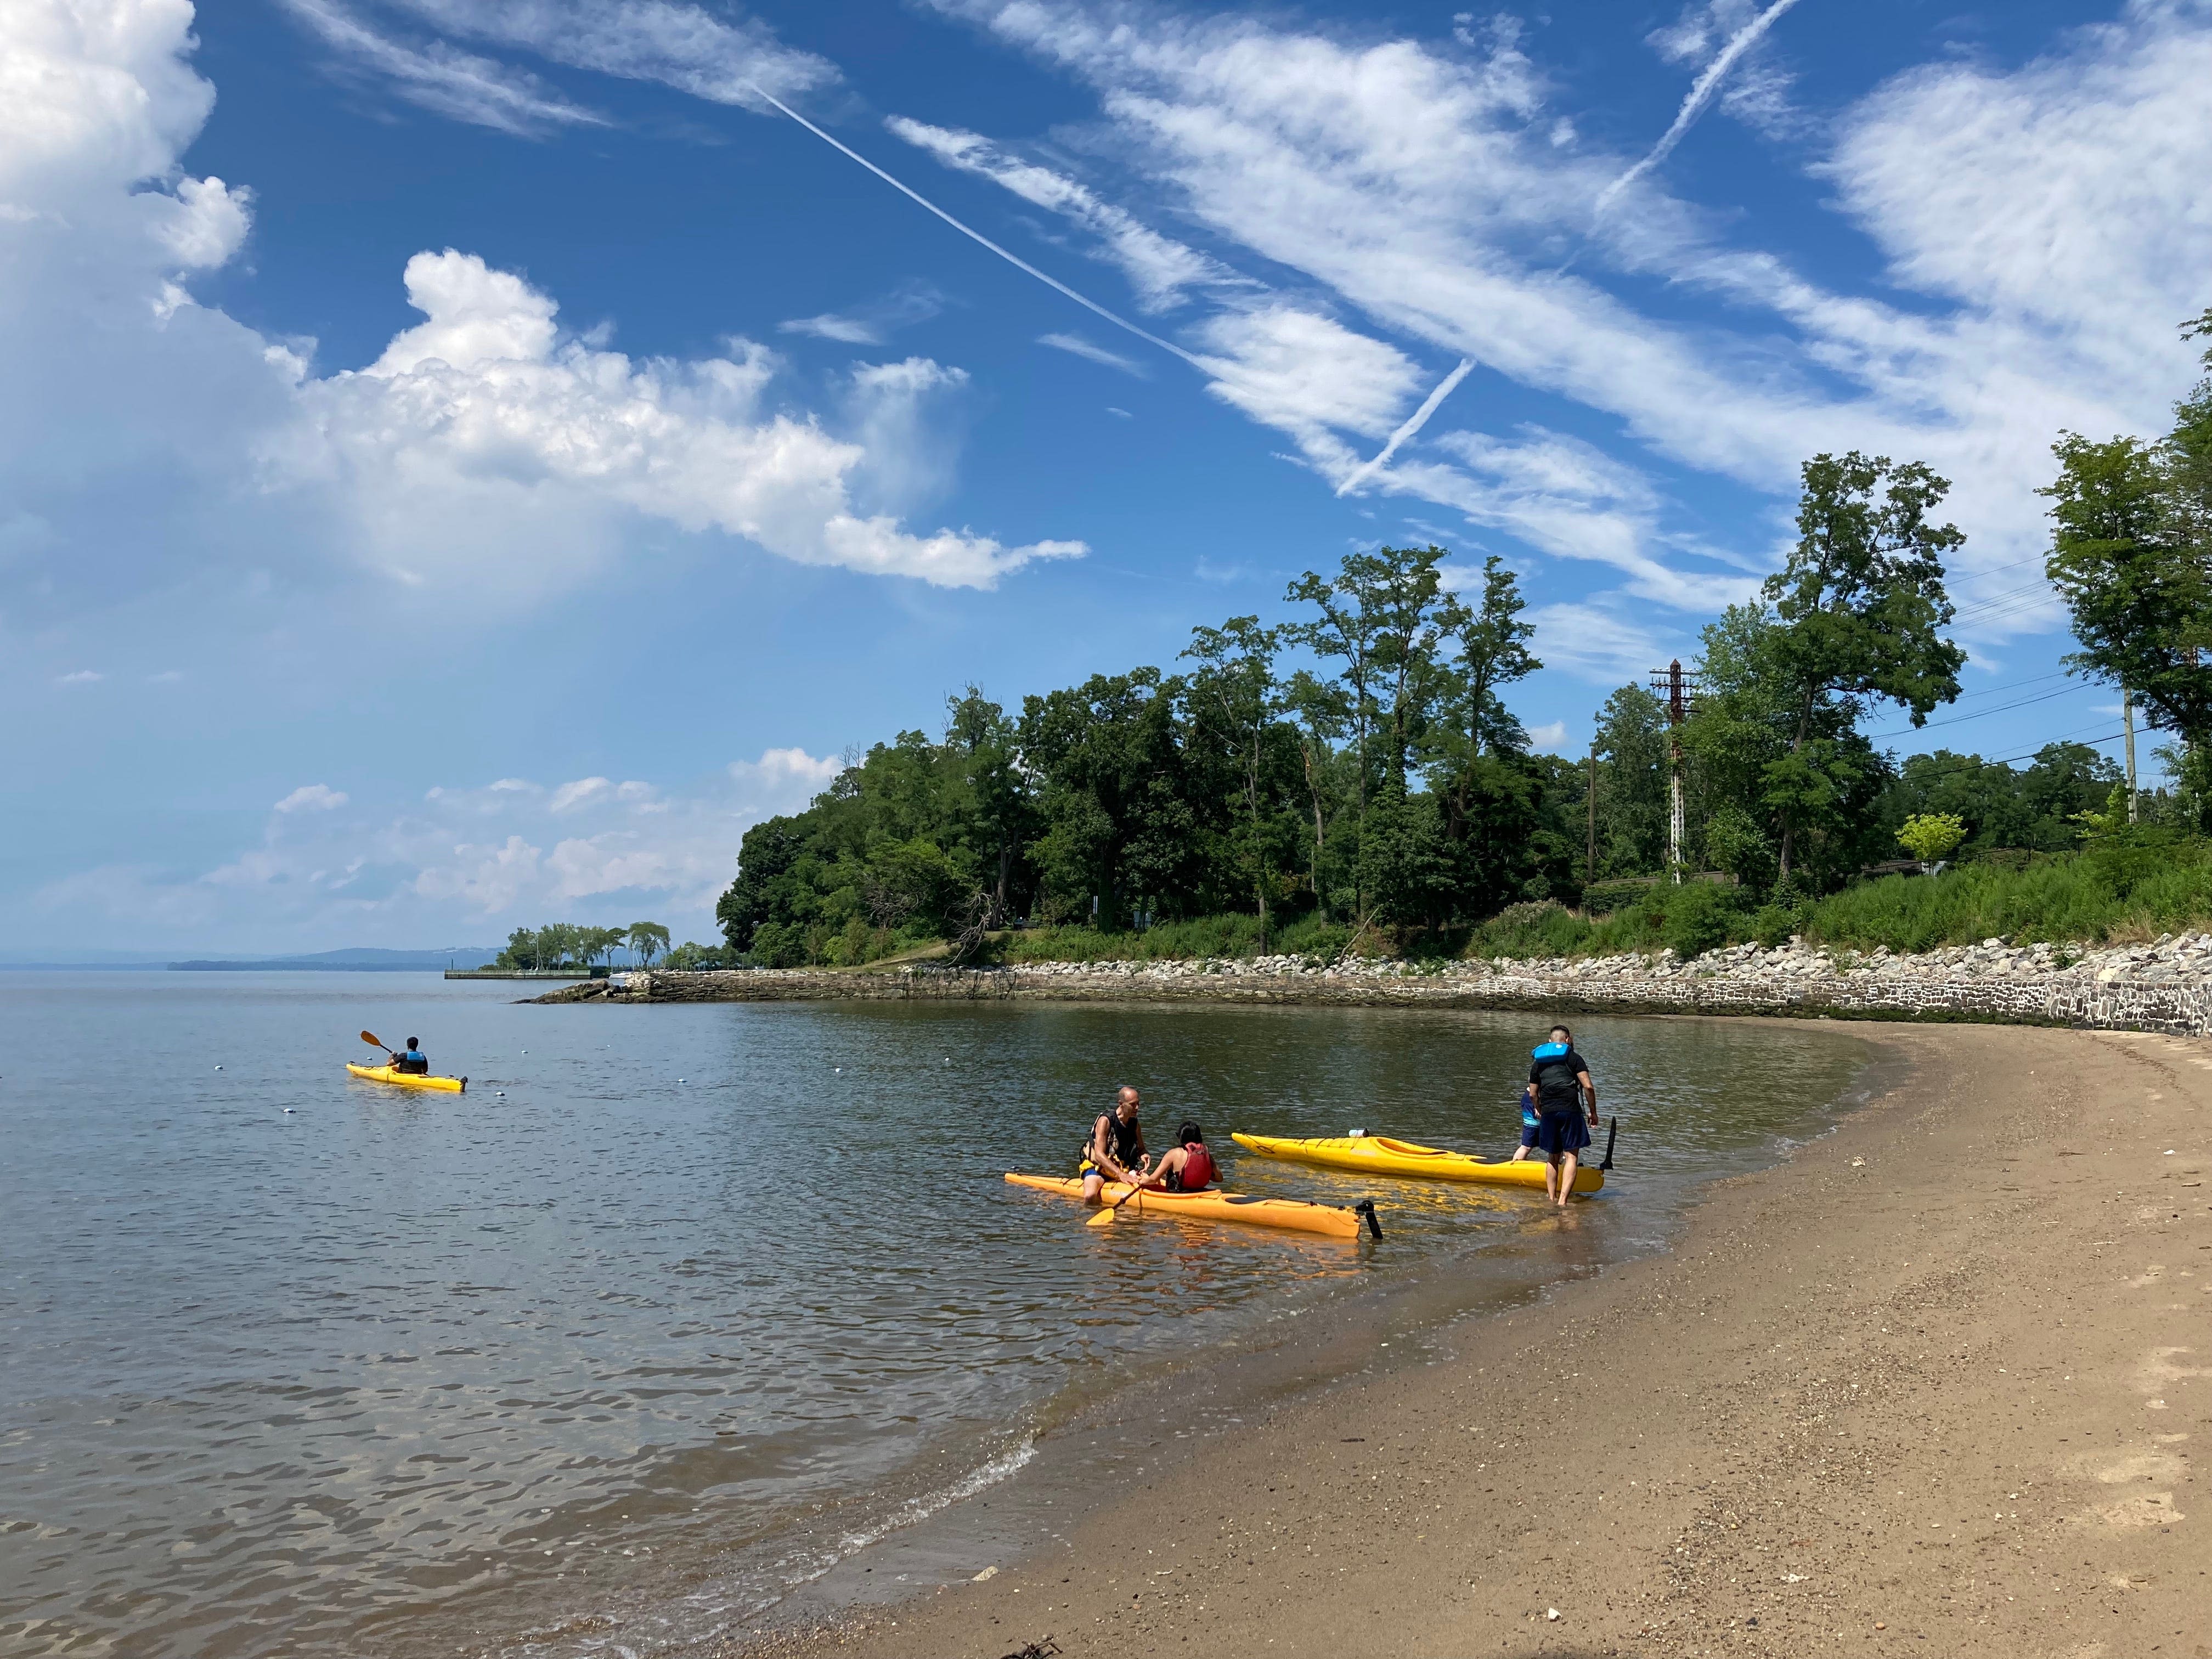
point(720, 55)
point(442, 78)
point(875, 321)
point(1092, 352)
point(1160, 269)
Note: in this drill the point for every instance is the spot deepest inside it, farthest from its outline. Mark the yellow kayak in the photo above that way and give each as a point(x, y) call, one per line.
point(1291, 1214)
point(1380, 1155)
point(408, 1079)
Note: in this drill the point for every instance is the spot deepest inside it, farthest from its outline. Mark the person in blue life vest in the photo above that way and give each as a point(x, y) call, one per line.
point(1560, 1081)
point(1527, 1102)
point(412, 1060)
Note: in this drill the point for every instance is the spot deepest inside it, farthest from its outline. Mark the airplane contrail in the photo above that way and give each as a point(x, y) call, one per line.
point(1702, 93)
point(1014, 259)
point(1414, 422)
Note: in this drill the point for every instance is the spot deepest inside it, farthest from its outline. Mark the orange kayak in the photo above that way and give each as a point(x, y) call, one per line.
point(1290, 1214)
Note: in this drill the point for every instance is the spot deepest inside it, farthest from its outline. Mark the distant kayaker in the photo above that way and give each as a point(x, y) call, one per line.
point(1561, 1080)
point(412, 1058)
point(1116, 1149)
point(1187, 1166)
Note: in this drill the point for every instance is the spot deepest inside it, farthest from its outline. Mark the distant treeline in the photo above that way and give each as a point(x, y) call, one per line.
point(566, 944)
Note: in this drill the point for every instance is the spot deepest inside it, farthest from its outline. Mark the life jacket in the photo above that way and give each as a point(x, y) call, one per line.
point(1555, 1068)
point(1125, 1142)
point(1198, 1170)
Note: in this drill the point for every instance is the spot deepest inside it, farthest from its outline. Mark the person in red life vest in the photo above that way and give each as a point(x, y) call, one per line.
point(1187, 1166)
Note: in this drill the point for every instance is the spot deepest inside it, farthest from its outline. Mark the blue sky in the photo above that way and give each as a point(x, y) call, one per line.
point(462, 463)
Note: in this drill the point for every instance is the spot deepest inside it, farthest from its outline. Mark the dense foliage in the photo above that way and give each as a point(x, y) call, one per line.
point(1382, 783)
point(2131, 556)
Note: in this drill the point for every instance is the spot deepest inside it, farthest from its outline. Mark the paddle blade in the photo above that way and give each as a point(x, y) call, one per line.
point(374, 1040)
point(1104, 1218)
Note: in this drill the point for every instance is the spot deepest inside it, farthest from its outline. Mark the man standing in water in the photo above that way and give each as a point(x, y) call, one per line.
point(1115, 1151)
point(1561, 1079)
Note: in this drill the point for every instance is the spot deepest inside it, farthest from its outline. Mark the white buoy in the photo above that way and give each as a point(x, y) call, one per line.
point(287, 1111)
point(218, 1068)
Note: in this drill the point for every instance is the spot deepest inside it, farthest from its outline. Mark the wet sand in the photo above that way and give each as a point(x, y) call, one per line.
point(1940, 1385)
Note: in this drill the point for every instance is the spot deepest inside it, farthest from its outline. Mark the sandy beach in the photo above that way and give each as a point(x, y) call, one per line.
point(1941, 1384)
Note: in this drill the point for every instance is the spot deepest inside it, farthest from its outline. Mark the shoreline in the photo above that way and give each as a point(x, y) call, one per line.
point(1849, 1408)
point(2165, 987)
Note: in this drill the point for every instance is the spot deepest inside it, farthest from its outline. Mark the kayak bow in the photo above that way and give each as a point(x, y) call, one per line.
point(408, 1079)
point(1290, 1214)
point(1380, 1155)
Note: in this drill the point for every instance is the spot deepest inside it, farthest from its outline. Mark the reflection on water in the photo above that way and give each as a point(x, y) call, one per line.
point(711, 1296)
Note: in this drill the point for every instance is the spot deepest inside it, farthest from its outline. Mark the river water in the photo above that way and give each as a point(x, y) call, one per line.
point(677, 1307)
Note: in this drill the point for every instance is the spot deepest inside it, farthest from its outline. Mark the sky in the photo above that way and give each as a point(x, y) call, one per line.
point(463, 461)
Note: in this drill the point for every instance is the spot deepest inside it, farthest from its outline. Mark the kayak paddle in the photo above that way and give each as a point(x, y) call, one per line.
point(1108, 1214)
point(1611, 1135)
point(376, 1041)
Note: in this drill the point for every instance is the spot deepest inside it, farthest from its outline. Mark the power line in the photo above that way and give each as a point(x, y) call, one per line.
point(1981, 714)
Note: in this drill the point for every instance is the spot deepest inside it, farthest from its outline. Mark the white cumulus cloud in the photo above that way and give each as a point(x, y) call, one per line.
point(486, 454)
point(311, 797)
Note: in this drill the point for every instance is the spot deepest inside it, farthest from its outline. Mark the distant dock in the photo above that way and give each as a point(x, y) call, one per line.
point(526, 973)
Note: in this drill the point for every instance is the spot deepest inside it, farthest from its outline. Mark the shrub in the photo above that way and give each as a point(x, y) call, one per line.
point(1601, 898)
point(1932, 837)
point(1773, 924)
point(1542, 928)
point(1699, 917)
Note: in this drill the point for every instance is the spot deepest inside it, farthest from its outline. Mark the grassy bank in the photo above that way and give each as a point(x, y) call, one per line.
point(2127, 890)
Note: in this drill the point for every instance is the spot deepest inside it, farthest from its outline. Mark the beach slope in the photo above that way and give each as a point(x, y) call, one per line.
point(1940, 1385)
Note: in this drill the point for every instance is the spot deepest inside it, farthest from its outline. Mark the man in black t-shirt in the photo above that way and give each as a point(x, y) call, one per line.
point(1561, 1081)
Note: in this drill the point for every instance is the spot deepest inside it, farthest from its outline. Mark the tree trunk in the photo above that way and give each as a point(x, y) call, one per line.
point(1321, 900)
point(1788, 816)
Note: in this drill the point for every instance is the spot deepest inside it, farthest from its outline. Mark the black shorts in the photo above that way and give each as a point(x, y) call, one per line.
point(1562, 1132)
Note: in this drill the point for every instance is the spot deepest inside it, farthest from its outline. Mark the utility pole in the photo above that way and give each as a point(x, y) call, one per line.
point(2128, 716)
point(1681, 691)
point(1589, 876)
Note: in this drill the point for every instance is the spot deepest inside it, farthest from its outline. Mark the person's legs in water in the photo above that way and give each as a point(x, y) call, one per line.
point(1568, 1163)
point(1094, 1182)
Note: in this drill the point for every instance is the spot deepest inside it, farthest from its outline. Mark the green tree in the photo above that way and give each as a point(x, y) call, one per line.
point(646, 939)
point(1234, 686)
point(1632, 784)
point(1751, 744)
point(1322, 710)
point(1122, 822)
point(1859, 605)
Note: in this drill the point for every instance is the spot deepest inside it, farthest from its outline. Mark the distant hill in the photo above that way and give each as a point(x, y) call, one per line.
point(355, 960)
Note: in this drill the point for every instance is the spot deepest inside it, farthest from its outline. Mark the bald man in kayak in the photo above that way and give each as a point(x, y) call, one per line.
point(1116, 1149)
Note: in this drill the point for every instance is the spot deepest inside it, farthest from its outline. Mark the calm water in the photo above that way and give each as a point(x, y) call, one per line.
point(711, 1297)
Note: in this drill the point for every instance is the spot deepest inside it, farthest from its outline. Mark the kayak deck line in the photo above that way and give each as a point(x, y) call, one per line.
point(1294, 1215)
point(408, 1079)
point(1381, 1155)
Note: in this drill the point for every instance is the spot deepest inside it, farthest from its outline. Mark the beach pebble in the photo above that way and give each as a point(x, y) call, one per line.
point(1551, 1613)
